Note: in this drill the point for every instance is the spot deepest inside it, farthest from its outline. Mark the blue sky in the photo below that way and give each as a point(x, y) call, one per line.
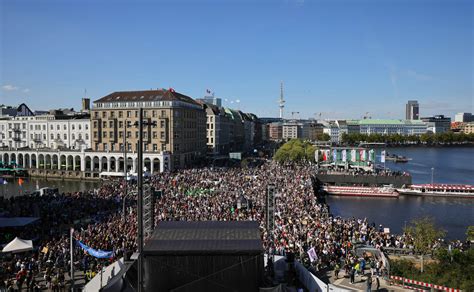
point(338, 58)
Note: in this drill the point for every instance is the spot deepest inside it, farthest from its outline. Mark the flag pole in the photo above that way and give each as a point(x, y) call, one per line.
point(72, 258)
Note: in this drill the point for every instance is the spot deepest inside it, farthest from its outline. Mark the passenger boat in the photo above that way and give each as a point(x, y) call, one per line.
point(439, 190)
point(397, 158)
point(385, 191)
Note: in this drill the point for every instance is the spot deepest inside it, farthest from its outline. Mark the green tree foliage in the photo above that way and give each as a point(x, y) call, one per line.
point(428, 139)
point(424, 234)
point(295, 150)
point(323, 137)
point(451, 269)
point(470, 233)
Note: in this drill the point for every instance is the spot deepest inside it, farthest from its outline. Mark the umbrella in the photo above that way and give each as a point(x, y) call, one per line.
point(18, 245)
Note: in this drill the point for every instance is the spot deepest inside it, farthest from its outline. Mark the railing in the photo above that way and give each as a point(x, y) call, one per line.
point(418, 285)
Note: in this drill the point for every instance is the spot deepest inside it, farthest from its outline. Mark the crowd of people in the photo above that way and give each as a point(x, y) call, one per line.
point(302, 222)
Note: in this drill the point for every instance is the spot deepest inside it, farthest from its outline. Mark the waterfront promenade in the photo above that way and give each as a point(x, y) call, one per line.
point(78, 164)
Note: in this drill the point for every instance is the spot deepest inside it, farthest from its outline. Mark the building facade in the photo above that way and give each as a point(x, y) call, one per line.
point(389, 127)
point(412, 110)
point(275, 131)
point(438, 124)
point(464, 117)
point(177, 124)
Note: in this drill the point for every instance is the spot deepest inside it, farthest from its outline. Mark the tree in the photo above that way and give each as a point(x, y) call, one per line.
point(295, 150)
point(470, 233)
point(424, 234)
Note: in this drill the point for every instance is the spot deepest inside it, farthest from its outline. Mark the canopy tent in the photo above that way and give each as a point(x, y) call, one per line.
point(18, 245)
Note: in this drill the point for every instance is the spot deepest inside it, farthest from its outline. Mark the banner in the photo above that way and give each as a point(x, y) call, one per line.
point(353, 155)
point(371, 155)
point(334, 155)
point(100, 254)
point(325, 157)
point(312, 254)
point(344, 155)
point(382, 156)
point(316, 156)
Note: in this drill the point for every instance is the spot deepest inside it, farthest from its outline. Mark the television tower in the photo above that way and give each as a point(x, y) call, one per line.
point(281, 101)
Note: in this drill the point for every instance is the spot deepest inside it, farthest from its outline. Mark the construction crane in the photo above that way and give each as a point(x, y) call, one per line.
point(293, 113)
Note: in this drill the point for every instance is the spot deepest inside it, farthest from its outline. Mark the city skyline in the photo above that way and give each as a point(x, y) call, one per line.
point(341, 60)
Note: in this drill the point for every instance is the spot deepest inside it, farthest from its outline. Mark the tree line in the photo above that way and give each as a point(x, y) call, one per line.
point(295, 150)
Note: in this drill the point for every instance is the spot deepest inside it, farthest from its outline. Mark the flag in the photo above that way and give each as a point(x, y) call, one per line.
point(344, 155)
point(20, 181)
point(353, 155)
point(325, 157)
point(316, 155)
point(382, 156)
point(362, 155)
point(100, 254)
point(371, 155)
point(334, 155)
point(312, 254)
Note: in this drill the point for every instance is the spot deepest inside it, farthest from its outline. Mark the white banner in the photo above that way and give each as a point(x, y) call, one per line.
point(353, 155)
point(382, 156)
point(312, 254)
point(344, 155)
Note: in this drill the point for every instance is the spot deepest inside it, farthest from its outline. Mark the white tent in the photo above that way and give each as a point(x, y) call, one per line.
point(18, 245)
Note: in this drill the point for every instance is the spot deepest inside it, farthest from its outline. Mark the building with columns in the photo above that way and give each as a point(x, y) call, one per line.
point(179, 124)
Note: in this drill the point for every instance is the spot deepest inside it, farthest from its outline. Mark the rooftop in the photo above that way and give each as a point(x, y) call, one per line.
point(147, 95)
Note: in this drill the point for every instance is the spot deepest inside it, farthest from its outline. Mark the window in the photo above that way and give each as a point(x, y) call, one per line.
point(129, 134)
point(96, 115)
point(120, 134)
point(136, 114)
point(44, 136)
point(65, 127)
point(111, 134)
point(111, 124)
point(104, 114)
point(162, 124)
point(129, 146)
point(87, 136)
point(163, 113)
point(129, 114)
point(65, 136)
point(95, 124)
point(155, 147)
point(73, 127)
point(105, 134)
point(86, 127)
point(80, 127)
point(104, 124)
point(146, 147)
point(58, 137)
point(155, 135)
point(153, 114)
point(105, 145)
point(120, 124)
point(136, 134)
point(73, 136)
point(80, 137)
point(31, 127)
point(112, 114)
point(52, 136)
point(95, 134)
point(162, 135)
point(121, 146)
point(57, 127)
point(120, 114)
point(112, 147)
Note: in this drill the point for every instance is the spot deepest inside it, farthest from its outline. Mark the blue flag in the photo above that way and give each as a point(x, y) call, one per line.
point(100, 254)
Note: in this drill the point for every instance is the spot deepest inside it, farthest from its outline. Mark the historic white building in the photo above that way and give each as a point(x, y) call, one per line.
point(45, 131)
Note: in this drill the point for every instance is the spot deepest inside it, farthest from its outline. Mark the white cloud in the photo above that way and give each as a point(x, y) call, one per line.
point(26, 90)
point(9, 87)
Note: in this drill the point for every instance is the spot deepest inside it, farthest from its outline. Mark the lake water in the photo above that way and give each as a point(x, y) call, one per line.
point(453, 165)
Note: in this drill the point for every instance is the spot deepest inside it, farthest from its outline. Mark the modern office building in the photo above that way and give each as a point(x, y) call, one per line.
point(412, 111)
point(464, 117)
point(438, 124)
point(388, 127)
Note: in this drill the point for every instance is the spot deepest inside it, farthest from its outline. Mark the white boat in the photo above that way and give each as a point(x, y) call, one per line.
point(439, 190)
point(355, 191)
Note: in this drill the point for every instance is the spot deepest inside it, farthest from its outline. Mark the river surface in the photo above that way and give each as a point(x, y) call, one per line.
point(453, 165)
